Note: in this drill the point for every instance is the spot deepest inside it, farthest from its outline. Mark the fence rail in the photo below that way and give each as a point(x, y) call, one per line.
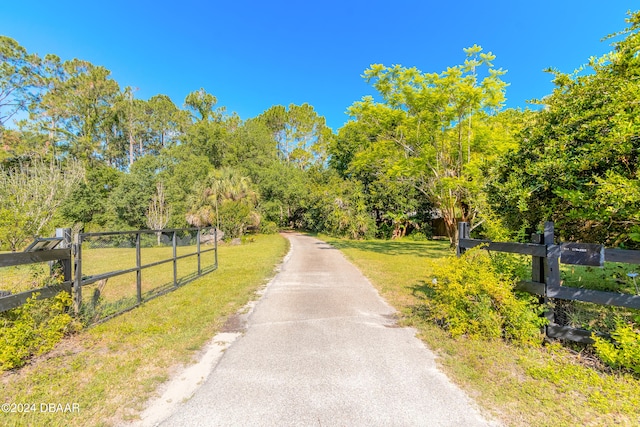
point(61, 255)
point(72, 262)
point(545, 275)
point(81, 280)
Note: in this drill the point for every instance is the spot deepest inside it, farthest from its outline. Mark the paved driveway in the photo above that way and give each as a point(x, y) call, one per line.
point(321, 348)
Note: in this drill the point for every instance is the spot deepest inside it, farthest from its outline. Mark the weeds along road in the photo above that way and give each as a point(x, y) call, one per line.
point(322, 348)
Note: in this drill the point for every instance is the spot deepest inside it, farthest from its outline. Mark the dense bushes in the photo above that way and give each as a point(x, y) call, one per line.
point(624, 353)
point(472, 295)
point(33, 329)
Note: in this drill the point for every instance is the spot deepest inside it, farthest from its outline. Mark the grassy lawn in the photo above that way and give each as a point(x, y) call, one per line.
point(546, 386)
point(102, 299)
point(613, 277)
point(111, 370)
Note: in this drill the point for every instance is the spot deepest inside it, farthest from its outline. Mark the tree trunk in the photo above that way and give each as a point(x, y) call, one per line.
point(130, 148)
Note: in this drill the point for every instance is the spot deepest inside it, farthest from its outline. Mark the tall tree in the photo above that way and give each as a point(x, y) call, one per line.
point(30, 195)
point(20, 78)
point(577, 163)
point(300, 133)
point(249, 147)
point(133, 122)
point(79, 104)
point(201, 103)
point(167, 122)
point(425, 131)
point(208, 134)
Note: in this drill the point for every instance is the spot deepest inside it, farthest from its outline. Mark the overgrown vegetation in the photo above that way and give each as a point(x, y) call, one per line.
point(624, 351)
point(34, 329)
point(436, 145)
point(469, 296)
point(576, 162)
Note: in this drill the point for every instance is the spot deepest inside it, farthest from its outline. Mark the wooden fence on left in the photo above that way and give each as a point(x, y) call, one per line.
point(71, 276)
point(61, 254)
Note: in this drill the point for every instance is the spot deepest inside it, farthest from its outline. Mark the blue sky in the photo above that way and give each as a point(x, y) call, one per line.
point(252, 55)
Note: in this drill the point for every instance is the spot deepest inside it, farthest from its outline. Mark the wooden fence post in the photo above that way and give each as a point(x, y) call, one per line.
point(198, 249)
point(463, 233)
point(65, 233)
point(174, 243)
point(77, 283)
point(538, 275)
point(138, 269)
point(551, 267)
point(215, 246)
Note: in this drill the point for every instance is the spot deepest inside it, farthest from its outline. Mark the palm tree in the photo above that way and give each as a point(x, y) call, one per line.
point(220, 186)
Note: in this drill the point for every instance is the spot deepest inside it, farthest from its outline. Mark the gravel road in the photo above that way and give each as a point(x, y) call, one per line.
point(321, 348)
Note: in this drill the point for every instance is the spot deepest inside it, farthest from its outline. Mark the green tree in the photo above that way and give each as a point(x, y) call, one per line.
point(283, 190)
point(166, 122)
point(358, 154)
point(180, 172)
point(577, 162)
point(336, 206)
point(19, 80)
point(210, 130)
point(201, 104)
point(79, 105)
point(426, 132)
point(225, 199)
point(30, 195)
point(129, 201)
point(87, 207)
point(249, 147)
point(300, 133)
point(134, 122)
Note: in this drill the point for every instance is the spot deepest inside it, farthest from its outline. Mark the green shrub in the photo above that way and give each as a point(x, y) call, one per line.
point(468, 296)
point(234, 218)
point(418, 236)
point(624, 353)
point(268, 227)
point(33, 329)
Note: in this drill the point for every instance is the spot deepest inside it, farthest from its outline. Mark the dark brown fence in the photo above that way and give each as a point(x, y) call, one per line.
point(545, 272)
point(134, 243)
point(39, 253)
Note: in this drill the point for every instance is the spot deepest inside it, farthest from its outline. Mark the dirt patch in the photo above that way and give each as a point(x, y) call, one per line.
point(393, 320)
point(235, 323)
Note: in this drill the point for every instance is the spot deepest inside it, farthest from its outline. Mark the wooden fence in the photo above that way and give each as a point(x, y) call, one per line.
point(61, 255)
point(545, 272)
point(66, 255)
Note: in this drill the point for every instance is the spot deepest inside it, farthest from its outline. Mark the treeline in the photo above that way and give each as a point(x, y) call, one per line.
point(87, 153)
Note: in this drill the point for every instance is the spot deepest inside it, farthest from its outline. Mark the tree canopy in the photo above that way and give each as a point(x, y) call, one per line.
point(577, 160)
point(425, 147)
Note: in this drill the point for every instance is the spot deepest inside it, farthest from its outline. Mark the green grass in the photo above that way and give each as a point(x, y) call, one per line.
point(546, 386)
point(21, 278)
point(120, 292)
point(102, 299)
point(610, 278)
point(112, 369)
